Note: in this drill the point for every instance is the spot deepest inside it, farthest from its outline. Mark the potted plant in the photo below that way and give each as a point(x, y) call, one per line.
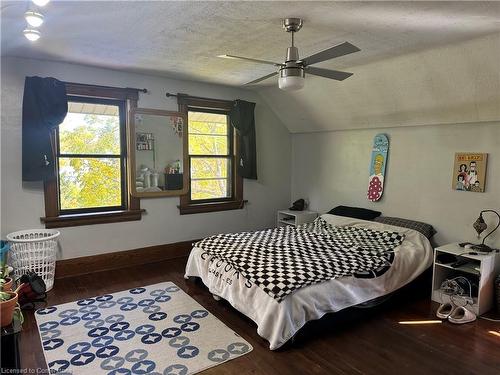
point(8, 303)
point(8, 299)
point(5, 281)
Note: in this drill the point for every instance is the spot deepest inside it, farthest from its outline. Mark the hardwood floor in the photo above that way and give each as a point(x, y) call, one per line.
point(354, 341)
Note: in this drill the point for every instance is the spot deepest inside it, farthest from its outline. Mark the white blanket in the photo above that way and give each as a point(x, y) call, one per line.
point(278, 322)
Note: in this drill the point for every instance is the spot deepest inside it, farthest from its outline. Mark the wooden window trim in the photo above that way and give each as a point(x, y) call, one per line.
point(53, 218)
point(186, 206)
point(93, 218)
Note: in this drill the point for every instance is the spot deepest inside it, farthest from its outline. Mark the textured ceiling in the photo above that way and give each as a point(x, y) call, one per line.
point(182, 39)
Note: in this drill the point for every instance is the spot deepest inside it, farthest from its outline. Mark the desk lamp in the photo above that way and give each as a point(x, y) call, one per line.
point(480, 226)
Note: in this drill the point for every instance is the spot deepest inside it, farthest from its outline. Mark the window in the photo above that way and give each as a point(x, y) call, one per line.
point(214, 184)
point(91, 156)
point(210, 156)
point(91, 160)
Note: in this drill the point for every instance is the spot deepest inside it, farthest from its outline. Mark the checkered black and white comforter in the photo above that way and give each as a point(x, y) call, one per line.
point(282, 260)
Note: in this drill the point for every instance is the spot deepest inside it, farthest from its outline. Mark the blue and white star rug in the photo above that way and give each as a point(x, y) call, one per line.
point(157, 329)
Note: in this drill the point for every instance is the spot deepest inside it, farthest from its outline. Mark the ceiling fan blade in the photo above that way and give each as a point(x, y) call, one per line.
point(330, 53)
point(327, 73)
point(261, 79)
point(249, 59)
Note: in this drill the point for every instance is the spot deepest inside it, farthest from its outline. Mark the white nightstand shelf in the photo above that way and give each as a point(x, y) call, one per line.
point(294, 218)
point(480, 269)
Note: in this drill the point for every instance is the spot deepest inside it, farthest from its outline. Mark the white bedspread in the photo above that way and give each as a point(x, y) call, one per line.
point(278, 322)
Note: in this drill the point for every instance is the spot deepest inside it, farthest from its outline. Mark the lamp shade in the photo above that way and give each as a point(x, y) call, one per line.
point(479, 225)
point(291, 83)
point(291, 77)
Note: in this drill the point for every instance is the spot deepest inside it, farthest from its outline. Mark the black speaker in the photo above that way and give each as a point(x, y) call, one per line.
point(174, 181)
point(298, 205)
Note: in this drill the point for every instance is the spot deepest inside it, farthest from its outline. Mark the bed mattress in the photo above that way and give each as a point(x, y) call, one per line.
point(277, 322)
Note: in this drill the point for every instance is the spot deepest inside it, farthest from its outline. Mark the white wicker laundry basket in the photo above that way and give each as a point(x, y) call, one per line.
point(34, 250)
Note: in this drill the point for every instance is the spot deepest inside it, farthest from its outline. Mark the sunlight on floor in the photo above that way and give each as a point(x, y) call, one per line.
point(408, 322)
point(495, 333)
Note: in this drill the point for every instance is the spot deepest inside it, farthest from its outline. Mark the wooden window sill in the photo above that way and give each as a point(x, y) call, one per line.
point(92, 218)
point(211, 207)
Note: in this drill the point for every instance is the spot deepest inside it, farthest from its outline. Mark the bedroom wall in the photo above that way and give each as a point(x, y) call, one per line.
point(22, 204)
point(331, 168)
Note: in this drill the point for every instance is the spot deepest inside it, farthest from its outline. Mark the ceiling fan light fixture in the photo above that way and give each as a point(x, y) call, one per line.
point(34, 19)
point(291, 78)
point(291, 83)
point(32, 35)
point(40, 3)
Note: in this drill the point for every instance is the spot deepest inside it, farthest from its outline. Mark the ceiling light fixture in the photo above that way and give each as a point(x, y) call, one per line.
point(34, 19)
point(291, 79)
point(40, 3)
point(32, 34)
point(291, 73)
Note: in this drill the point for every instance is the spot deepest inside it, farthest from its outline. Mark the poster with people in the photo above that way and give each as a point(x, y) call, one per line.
point(469, 172)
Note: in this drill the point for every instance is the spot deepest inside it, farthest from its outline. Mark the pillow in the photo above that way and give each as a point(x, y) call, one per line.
point(426, 229)
point(355, 212)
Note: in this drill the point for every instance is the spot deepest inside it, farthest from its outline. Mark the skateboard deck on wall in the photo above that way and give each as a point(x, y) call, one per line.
point(377, 167)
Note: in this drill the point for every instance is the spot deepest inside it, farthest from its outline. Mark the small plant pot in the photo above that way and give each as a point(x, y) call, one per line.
point(7, 309)
point(7, 286)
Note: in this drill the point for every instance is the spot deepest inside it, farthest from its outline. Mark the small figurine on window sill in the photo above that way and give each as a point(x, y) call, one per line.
point(174, 167)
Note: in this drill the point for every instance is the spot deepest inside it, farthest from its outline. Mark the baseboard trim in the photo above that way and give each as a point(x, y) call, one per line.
point(121, 259)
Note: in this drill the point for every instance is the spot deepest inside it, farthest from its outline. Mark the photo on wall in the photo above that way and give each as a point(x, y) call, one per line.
point(469, 171)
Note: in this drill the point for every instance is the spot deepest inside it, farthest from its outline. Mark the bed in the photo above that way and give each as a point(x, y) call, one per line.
point(279, 320)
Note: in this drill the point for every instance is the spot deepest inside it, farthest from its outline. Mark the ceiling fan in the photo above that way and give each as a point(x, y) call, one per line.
point(292, 71)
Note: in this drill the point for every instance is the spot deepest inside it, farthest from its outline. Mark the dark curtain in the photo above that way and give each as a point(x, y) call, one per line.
point(45, 105)
point(242, 118)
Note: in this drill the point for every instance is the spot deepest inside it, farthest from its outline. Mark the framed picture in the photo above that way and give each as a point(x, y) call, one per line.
point(144, 141)
point(469, 171)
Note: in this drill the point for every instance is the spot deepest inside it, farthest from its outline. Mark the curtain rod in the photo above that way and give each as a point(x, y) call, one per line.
point(106, 87)
point(168, 95)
